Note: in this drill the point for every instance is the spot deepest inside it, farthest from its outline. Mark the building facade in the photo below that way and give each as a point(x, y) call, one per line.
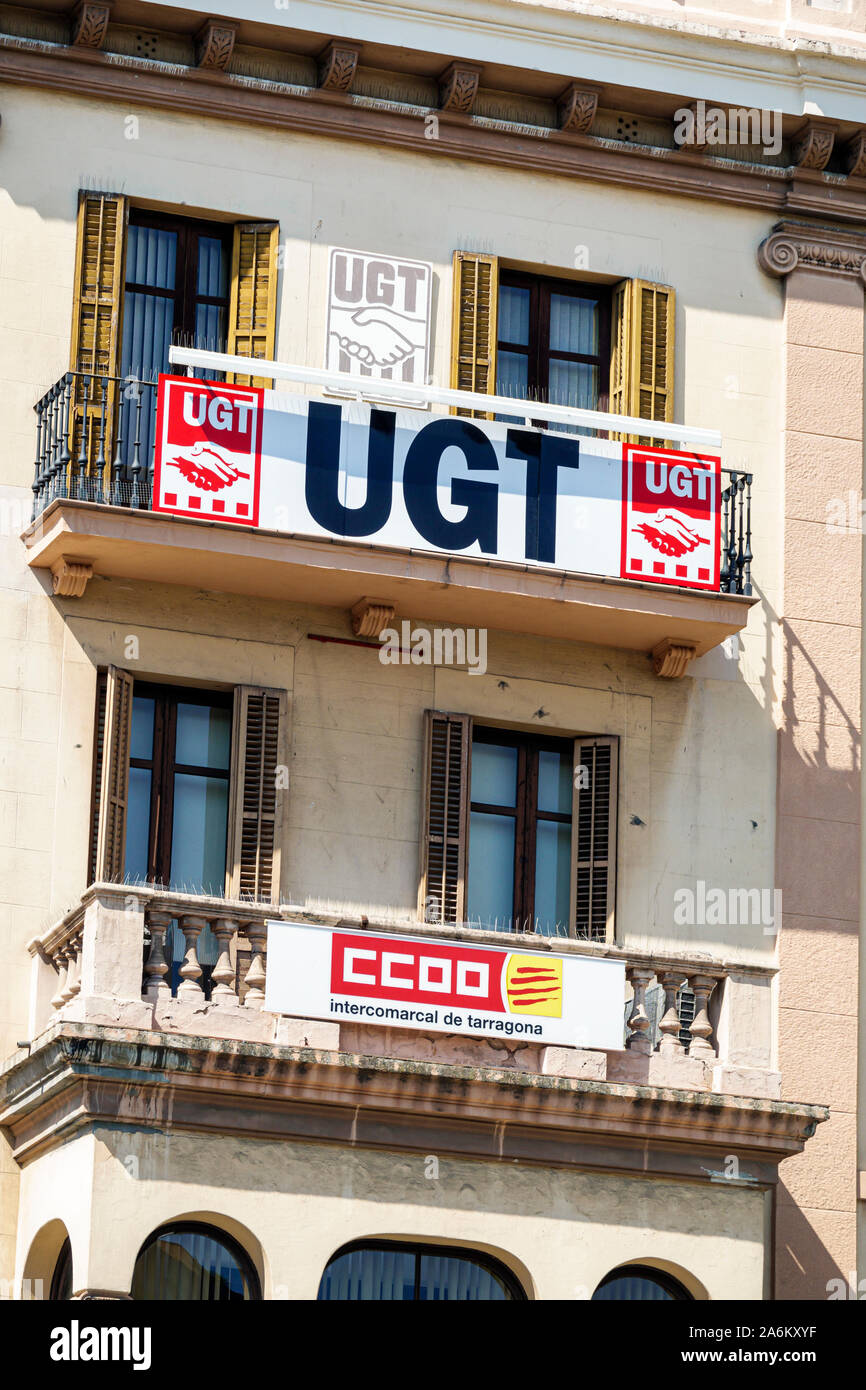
point(477, 739)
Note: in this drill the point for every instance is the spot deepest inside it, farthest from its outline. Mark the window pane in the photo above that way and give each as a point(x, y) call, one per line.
point(210, 329)
point(185, 1266)
point(203, 736)
point(634, 1288)
point(494, 774)
point(552, 877)
point(137, 824)
point(141, 735)
point(368, 1275)
point(198, 837)
point(151, 257)
point(513, 315)
point(555, 782)
point(449, 1278)
point(573, 383)
point(213, 268)
point(491, 871)
point(147, 324)
point(573, 325)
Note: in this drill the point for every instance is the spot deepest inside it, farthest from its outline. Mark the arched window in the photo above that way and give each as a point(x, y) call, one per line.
point(189, 1262)
point(633, 1282)
point(61, 1279)
point(380, 1270)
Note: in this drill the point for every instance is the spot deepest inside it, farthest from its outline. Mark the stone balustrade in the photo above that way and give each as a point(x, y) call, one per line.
point(107, 962)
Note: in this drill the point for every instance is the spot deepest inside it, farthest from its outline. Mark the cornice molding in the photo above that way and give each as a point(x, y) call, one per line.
point(78, 1075)
point(811, 246)
point(225, 96)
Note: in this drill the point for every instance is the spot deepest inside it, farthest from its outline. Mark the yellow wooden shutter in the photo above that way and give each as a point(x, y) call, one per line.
point(253, 302)
point(96, 310)
point(445, 824)
point(593, 874)
point(114, 722)
point(258, 763)
point(473, 324)
point(642, 350)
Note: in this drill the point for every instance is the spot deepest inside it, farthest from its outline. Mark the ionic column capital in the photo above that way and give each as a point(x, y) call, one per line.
point(812, 246)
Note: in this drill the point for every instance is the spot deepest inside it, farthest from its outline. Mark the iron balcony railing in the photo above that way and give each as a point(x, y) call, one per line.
point(95, 438)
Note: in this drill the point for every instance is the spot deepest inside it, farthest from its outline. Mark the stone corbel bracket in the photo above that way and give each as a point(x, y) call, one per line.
point(834, 250)
point(337, 66)
point(671, 657)
point(370, 616)
point(698, 142)
point(70, 577)
point(855, 156)
point(813, 144)
point(214, 44)
point(458, 88)
point(576, 108)
point(90, 23)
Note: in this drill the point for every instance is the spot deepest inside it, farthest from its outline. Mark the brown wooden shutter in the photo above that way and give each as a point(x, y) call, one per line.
point(111, 774)
point(253, 302)
point(642, 350)
point(445, 824)
point(255, 805)
point(474, 324)
point(593, 880)
point(96, 311)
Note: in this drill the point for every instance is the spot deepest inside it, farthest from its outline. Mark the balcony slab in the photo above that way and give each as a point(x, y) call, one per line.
point(473, 592)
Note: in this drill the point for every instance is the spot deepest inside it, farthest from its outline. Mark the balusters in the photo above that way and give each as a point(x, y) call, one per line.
point(61, 964)
point(65, 460)
point(135, 499)
point(73, 981)
point(640, 1039)
point(223, 975)
point(701, 1028)
point(254, 979)
point(82, 451)
point(190, 971)
point(100, 454)
point(156, 986)
point(669, 1026)
point(39, 468)
point(117, 465)
point(746, 579)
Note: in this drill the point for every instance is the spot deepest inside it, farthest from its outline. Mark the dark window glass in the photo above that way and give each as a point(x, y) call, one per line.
point(193, 1263)
point(61, 1279)
point(520, 832)
point(640, 1283)
point(553, 341)
point(391, 1271)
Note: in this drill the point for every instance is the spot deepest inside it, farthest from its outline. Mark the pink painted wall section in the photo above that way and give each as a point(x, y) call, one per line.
point(818, 846)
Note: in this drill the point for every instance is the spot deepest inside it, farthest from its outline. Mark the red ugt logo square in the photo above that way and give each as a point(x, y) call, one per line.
point(208, 450)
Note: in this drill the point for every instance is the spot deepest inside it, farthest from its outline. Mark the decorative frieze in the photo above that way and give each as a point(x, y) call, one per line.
point(813, 145)
point(337, 66)
point(835, 250)
point(90, 23)
point(214, 44)
point(577, 107)
point(458, 88)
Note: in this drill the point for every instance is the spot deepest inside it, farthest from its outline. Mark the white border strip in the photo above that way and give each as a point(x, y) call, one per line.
point(398, 393)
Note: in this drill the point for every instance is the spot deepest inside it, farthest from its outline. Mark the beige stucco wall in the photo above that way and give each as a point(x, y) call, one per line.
point(698, 756)
point(294, 1205)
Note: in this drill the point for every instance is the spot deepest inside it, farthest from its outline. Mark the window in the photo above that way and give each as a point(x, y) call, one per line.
point(185, 787)
point(640, 1282)
point(553, 340)
point(176, 291)
point(391, 1270)
point(190, 1262)
point(177, 816)
point(519, 830)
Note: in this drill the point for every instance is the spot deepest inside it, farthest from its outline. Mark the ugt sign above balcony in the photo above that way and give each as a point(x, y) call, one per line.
point(444, 483)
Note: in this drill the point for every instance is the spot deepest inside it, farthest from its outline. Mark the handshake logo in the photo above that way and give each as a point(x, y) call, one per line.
point(378, 316)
